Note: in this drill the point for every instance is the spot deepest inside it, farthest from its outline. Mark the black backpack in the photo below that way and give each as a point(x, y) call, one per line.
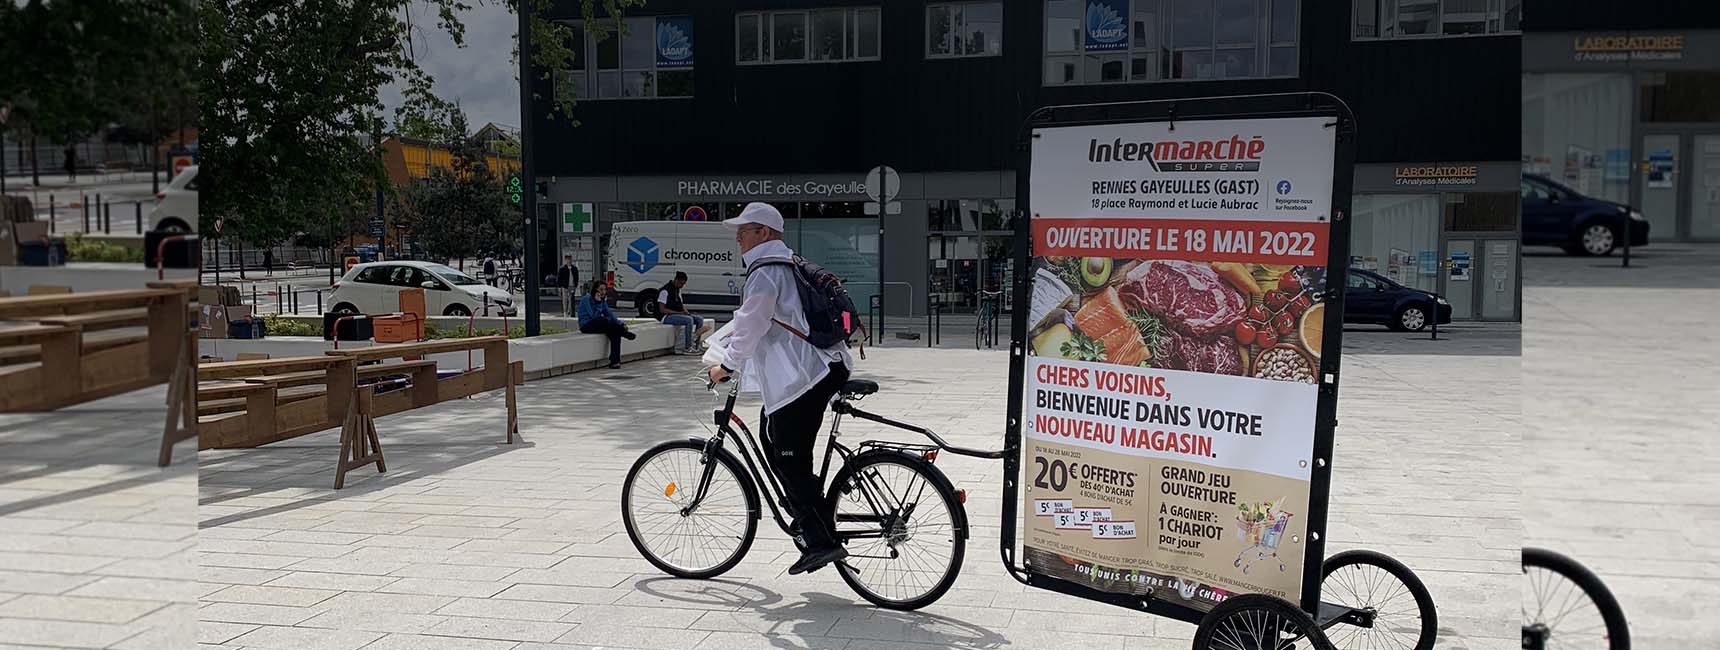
point(831, 315)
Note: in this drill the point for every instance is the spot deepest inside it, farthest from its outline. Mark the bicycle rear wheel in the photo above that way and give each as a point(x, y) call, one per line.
point(903, 526)
point(700, 542)
point(1566, 606)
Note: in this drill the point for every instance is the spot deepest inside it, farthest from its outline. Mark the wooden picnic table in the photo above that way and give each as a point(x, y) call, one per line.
point(68, 371)
point(346, 404)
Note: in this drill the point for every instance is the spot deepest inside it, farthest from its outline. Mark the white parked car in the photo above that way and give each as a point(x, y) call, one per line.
point(176, 205)
point(374, 288)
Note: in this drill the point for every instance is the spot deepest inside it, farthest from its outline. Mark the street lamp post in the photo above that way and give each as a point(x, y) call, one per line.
point(528, 197)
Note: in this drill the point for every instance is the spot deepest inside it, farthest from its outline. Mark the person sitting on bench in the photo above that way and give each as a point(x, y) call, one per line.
point(595, 317)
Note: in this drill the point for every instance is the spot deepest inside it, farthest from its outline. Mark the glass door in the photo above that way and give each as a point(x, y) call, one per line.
point(1460, 279)
point(1705, 187)
point(1660, 185)
point(952, 271)
point(1499, 287)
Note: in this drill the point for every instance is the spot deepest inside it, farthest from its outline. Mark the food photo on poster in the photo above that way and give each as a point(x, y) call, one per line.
point(1227, 318)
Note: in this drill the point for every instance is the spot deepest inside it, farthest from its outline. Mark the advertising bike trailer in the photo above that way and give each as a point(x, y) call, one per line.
point(1174, 370)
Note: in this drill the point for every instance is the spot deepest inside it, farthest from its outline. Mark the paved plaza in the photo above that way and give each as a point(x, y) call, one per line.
point(1620, 369)
point(470, 543)
point(97, 543)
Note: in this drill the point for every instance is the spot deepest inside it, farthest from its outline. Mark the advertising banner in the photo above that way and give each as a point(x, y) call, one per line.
point(1107, 25)
point(674, 41)
point(1174, 341)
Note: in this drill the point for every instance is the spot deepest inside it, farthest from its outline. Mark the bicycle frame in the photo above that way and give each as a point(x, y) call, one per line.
point(752, 455)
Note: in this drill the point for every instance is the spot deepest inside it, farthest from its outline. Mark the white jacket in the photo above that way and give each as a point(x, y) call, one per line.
point(771, 360)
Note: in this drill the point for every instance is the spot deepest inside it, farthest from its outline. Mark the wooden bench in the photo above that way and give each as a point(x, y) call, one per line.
point(60, 349)
point(300, 395)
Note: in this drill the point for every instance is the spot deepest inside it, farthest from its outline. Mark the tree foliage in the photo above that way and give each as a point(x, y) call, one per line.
point(74, 67)
point(459, 211)
point(291, 114)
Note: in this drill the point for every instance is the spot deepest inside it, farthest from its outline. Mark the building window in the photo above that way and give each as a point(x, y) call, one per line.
point(815, 36)
point(964, 29)
point(651, 58)
point(1382, 19)
point(1126, 41)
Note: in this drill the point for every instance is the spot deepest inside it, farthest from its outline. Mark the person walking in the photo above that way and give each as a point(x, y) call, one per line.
point(595, 317)
point(566, 279)
point(796, 378)
point(675, 313)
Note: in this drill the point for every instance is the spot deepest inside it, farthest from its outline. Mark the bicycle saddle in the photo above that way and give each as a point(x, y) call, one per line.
point(860, 387)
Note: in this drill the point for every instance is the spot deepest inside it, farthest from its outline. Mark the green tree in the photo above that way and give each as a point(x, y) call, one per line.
point(75, 67)
point(459, 211)
point(291, 110)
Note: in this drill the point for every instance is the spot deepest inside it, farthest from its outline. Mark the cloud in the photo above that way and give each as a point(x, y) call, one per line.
point(481, 75)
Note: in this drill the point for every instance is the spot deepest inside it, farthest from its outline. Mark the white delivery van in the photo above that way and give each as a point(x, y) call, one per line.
point(644, 255)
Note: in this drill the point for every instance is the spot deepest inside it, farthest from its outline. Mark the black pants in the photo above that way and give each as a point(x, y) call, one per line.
point(613, 331)
point(789, 434)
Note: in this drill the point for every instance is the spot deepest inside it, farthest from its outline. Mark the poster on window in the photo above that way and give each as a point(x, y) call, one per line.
point(1176, 324)
point(1107, 25)
point(1661, 164)
point(674, 41)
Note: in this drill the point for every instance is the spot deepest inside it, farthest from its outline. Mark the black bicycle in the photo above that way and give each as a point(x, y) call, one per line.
point(693, 512)
point(1566, 606)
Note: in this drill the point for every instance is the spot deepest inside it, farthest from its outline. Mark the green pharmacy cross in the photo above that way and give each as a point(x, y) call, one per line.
point(575, 218)
point(516, 189)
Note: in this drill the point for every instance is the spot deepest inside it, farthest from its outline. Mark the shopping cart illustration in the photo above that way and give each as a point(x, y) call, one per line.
point(1263, 536)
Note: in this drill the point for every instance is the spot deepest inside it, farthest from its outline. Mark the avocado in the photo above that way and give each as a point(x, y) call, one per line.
point(1095, 270)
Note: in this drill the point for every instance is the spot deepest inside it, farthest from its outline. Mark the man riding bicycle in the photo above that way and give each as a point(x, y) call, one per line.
point(795, 378)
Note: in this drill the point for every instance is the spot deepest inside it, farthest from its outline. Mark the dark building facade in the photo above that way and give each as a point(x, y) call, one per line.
point(708, 104)
point(1621, 101)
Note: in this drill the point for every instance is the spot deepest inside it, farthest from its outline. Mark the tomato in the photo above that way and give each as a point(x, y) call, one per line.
point(1301, 304)
point(1288, 282)
point(1267, 338)
point(1277, 299)
point(1259, 313)
point(1245, 331)
point(1285, 323)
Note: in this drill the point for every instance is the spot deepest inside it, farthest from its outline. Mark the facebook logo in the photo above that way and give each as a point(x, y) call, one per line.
point(1283, 187)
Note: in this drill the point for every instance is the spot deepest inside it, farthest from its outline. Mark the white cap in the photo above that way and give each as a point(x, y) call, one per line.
point(760, 213)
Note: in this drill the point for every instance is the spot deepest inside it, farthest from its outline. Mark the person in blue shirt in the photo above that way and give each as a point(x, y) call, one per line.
point(596, 318)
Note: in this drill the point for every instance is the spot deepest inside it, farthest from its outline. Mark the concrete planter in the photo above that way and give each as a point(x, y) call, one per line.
point(544, 356)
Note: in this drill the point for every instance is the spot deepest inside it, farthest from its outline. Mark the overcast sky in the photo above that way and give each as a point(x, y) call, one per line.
point(481, 75)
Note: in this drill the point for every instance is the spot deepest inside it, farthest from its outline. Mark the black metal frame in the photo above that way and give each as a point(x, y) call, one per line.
point(765, 481)
point(1287, 105)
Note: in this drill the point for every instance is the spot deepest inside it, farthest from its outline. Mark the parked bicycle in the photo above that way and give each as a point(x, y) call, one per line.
point(511, 280)
point(985, 319)
point(693, 513)
point(1566, 606)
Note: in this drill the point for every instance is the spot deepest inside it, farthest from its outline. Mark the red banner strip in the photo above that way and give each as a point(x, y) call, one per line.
point(1258, 242)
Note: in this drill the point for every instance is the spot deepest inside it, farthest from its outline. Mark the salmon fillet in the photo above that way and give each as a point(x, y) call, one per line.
point(1103, 318)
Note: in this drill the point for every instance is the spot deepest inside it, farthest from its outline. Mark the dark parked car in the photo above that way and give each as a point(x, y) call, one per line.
point(1370, 298)
point(1555, 215)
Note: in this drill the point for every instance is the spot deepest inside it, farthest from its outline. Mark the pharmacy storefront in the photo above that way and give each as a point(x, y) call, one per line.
point(944, 235)
point(1449, 228)
point(1631, 117)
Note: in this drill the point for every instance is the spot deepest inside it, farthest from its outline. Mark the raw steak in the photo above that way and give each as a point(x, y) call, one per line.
point(1191, 297)
point(1217, 356)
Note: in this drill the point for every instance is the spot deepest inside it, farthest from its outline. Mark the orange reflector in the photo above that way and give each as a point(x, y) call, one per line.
point(961, 497)
point(932, 456)
point(669, 491)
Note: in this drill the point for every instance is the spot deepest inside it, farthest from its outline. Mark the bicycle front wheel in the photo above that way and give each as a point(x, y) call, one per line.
point(903, 526)
point(689, 514)
point(1566, 606)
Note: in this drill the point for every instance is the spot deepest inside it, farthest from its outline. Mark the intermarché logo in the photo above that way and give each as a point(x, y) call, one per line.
point(1232, 155)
